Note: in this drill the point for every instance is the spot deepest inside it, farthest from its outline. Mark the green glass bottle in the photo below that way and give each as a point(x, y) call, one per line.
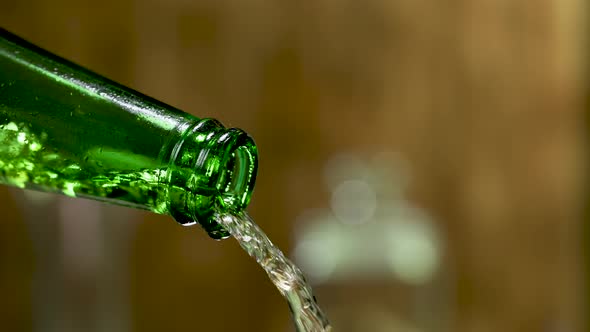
point(68, 130)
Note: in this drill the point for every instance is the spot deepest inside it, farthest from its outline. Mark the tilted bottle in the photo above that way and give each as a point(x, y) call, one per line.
point(68, 130)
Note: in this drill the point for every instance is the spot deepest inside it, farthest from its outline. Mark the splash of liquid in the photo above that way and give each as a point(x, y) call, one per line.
point(287, 277)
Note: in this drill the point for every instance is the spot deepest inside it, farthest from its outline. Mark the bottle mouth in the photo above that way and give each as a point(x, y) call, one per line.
point(236, 178)
point(237, 172)
point(218, 168)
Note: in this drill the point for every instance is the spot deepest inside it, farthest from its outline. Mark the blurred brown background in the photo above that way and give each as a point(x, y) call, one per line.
point(421, 160)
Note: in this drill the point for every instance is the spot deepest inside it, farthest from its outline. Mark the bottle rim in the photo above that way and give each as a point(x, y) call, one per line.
point(230, 160)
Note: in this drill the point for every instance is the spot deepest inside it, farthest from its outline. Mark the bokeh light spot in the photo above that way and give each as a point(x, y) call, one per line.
point(354, 202)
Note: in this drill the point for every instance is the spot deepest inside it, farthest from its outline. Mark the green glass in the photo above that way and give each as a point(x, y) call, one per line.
point(67, 130)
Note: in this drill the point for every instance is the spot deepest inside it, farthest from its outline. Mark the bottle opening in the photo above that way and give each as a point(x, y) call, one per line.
point(213, 171)
point(238, 177)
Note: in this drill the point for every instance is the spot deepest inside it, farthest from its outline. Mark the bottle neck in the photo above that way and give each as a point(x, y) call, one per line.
point(211, 170)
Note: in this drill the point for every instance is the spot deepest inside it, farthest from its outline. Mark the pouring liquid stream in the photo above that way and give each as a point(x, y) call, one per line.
point(287, 277)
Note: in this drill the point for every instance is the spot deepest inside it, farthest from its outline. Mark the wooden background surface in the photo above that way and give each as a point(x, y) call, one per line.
point(482, 98)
